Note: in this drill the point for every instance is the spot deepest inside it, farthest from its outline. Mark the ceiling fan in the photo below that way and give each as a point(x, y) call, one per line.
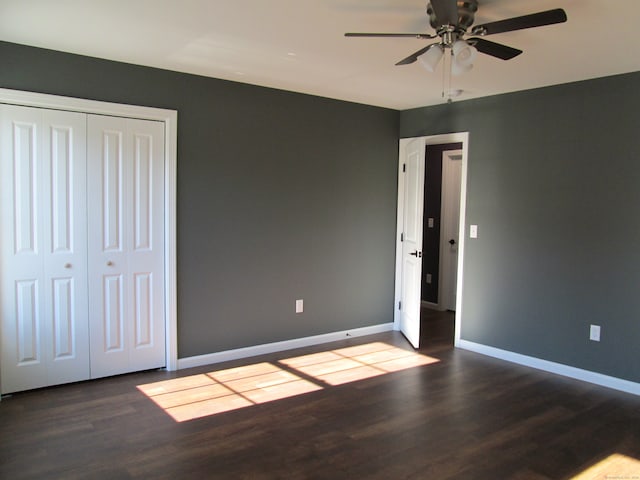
point(452, 18)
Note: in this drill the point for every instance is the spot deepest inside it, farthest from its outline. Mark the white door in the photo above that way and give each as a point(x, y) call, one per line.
point(126, 244)
point(451, 179)
point(412, 240)
point(43, 279)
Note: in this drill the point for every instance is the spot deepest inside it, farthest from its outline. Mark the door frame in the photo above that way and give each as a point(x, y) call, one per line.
point(170, 120)
point(460, 137)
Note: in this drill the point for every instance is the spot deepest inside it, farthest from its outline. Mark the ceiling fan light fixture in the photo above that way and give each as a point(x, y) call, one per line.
point(430, 59)
point(463, 53)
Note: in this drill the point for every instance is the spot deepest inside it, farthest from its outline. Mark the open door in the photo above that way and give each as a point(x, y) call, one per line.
point(450, 227)
point(411, 236)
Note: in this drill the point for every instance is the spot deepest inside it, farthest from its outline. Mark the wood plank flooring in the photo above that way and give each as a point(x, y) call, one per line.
point(463, 416)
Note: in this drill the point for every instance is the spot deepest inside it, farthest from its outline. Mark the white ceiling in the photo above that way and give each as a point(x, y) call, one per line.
point(299, 45)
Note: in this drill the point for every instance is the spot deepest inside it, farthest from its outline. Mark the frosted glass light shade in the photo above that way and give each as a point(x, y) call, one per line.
point(463, 53)
point(431, 57)
point(463, 57)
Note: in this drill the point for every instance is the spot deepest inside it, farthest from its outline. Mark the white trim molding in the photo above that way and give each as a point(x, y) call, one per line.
point(170, 119)
point(238, 353)
point(552, 367)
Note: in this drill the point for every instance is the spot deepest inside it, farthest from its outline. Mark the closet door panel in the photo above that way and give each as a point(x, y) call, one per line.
point(126, 244)
point(43, 248)
point(65, 242)
point(146, 247)
point(21, 267)
point(108, 269)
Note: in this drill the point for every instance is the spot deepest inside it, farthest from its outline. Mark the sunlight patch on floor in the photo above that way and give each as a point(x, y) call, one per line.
point(614, 467)
point(196, 396)
point(350, 364)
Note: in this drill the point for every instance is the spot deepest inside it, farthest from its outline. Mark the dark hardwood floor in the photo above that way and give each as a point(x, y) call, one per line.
point(436, 327)
point(463, 416)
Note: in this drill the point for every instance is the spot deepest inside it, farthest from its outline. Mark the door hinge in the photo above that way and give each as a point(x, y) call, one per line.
point(402, 237)
point(400, 305)
point(404, 167)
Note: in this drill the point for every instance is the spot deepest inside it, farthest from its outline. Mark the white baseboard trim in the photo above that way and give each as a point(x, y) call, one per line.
point(552, 367)
point(225, 356)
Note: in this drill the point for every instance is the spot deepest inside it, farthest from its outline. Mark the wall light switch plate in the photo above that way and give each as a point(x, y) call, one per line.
point(594, 333)
point(430, 222)
point(299, 306)
point(473, 231)
point(428, 278)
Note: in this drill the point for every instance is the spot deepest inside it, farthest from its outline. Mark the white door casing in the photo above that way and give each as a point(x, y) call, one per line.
point(450, 231)
point(413, 172)
point(126, 244)
point(43, 280)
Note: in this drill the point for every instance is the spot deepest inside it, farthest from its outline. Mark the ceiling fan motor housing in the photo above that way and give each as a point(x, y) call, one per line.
point(466, 13)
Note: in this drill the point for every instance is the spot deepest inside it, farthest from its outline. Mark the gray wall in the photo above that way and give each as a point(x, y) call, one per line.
point(280, 196)
point(554, 186)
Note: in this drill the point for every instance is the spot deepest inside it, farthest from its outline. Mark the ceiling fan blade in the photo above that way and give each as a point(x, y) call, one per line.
point(446, 11)
point(494, 49)
point(425, 36)
point(414, 56)
point(540, 19)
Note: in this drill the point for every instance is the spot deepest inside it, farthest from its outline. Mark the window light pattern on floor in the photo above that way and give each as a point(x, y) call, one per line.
point(205, 394)
point(615, 466)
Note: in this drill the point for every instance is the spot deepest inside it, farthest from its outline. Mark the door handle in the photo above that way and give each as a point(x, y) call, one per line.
point(416, 254)
point(452, 242)
point(67, 265)
point(109, 263)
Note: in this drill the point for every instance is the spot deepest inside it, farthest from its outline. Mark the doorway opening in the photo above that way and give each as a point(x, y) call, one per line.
point(438, 262)
point(441, 224)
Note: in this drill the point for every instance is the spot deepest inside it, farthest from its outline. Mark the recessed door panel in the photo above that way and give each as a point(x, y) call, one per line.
point(143, 192)
point(143, 299)
point(112, 189)
point(413, 183)
point(27, 322)
point(63, 316)
point(25, 187)
point(61, 189)
point(113, 314)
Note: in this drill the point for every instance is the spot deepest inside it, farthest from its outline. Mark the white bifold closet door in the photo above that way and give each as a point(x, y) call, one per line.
point(125, 178)
point(81, 246)
point(43, 248)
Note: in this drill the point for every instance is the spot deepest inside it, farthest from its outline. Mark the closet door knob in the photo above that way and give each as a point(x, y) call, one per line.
point(109, 263)
point(67, 265)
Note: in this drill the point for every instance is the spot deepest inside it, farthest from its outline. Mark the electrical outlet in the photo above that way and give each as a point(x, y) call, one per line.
point(428, 278)
point(299, 306)
point(473, 231)
point(594, 333)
